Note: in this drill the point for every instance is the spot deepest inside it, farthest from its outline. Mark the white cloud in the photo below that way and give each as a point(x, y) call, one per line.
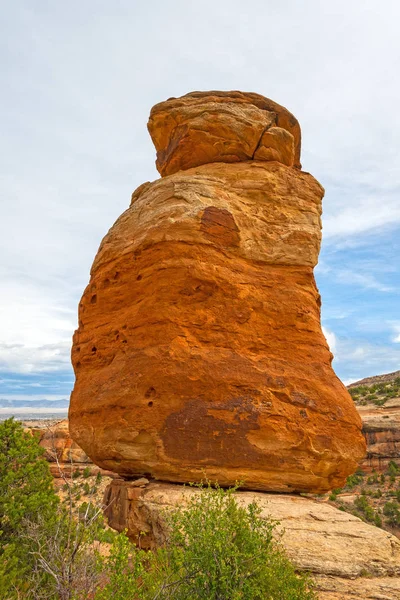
point(79, 81)
point(396, 338)
point(361, 358)
point(36, 326)
point(364, 280)
point(330, 338)
point(21, 410)
point(33, 397)
point(27, 359)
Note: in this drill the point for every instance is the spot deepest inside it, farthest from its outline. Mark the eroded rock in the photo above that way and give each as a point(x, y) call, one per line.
point(199, 351)
point(348, 558)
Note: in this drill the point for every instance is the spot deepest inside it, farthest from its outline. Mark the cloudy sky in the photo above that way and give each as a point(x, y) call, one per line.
point(78, 80)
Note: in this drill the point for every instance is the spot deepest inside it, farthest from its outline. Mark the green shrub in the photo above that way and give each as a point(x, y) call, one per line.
point(334, 494)
point(216, 550)
point(26, 493)
point(380, 401)
point(86, 472)
point(227, 551)
point(391, 510)
point(353, 480)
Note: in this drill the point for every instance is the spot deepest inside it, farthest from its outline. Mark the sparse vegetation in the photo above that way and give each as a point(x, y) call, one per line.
point(375, 500)
point(377, 394)
point(52, 550)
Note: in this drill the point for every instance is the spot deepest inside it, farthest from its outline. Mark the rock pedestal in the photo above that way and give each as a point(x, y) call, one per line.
point(199, 352)
point(348, 559)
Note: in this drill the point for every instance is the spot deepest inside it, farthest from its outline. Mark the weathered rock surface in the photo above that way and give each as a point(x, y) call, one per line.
point(229, 127)
point(62, 452)
point(199, 350)
point(348, 558)
point(381, 427)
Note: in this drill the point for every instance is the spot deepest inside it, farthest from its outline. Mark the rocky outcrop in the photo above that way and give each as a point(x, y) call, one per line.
point(199, 351)
point(347, 557)
point(376, 379)
point(63, 454)
point(381, 428)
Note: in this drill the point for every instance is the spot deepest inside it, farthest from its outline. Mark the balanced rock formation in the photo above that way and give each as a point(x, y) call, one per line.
point(199, 352)
point(348, 559)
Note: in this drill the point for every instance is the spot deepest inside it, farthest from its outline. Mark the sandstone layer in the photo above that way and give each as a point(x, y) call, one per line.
point(63, 454)
point(348, 558)
point(199, 351)
point(230, 127)
point(381, 428)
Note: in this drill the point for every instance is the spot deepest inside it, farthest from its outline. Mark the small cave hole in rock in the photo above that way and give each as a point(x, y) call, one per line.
point(150, 403)
point(151, 392)
point(94, 349)
point(93, 299)
point(139, 277)
point(78, 349)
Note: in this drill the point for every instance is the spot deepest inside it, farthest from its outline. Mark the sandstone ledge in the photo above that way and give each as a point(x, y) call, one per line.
point(348, 558)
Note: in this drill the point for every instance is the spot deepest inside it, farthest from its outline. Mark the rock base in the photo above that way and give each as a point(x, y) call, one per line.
point(348, 558)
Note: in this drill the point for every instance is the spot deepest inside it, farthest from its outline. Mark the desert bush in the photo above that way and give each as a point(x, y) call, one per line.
point(86, 472)
point(216, 550)
point(26, 493)
point(391, 510)
point(223, 550)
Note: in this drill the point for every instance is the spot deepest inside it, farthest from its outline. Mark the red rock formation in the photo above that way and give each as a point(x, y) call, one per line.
point(63, 454)
point(381, 428)
point(199, 351)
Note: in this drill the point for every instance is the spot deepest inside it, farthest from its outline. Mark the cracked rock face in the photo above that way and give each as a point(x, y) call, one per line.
point(199, 351)
point(229, 127)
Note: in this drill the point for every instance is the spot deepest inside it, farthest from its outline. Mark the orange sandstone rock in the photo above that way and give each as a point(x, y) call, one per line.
point(206, 127)
point(199, 351)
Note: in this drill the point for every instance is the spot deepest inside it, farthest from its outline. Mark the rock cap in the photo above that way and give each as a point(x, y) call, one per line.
point(208, 127)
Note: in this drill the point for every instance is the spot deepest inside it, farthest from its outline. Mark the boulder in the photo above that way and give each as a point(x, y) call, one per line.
point(206, 127)
point(199, 351)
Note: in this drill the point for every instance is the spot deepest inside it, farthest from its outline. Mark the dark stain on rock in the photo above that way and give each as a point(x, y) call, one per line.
point(197, 290)
point(199, 435)
point(219, 227)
